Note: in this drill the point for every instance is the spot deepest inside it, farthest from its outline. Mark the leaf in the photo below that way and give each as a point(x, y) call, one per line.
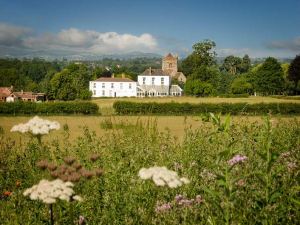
point(295, 201)
point(274, 196)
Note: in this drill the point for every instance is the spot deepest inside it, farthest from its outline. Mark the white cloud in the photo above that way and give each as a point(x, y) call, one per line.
point(89, 41)
point(12, 35)
point(292, 45)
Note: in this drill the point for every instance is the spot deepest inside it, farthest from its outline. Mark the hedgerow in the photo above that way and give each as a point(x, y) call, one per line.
point(74, 107)
point(126, 107)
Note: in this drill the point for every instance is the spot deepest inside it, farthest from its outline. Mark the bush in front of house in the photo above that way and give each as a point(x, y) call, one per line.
point(74, 107)
point(173, 108)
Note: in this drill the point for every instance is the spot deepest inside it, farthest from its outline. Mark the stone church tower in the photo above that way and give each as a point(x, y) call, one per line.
point(169, 64)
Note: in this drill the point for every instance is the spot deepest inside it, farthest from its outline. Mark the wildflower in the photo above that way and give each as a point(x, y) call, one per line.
point(161, 176)
point(240, 183)
point(199, 199)
point(163, 207)
point(292, 166)
point(36, 126)
point(69, 160)
point(43, 164)
point(77, 165)
point(77, 198)
point(94, 157)
point(237, 159)
point(50, 191)
point(81, 220)
point(7, 193)
point(207, 175)
point(98, 172)
point(18, 183)
point(51, 166)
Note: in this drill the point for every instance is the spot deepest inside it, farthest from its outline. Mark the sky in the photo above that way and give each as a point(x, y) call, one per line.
point(259, 28)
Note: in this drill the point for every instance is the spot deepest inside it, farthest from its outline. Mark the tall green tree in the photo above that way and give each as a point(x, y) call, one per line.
point(232, 64)
point(203, 55)
point(246, 64)
point(268, 79)
point(294, 72)
point(71, 83)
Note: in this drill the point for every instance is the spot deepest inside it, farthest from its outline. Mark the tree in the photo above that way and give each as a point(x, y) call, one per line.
point(232, 64)
point(198, 88)
point(268, 79)
point(246, 64)
point(294, 72)
point(71, 83)
point(203, 55)
point(240, 85)
point(207, 74)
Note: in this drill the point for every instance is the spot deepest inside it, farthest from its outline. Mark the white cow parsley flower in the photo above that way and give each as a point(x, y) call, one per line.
point(49, 191)
point(161, 176)
point(36, 126)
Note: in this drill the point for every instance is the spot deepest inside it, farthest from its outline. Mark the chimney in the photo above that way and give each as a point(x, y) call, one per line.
point(150, 70)
point(11, 88)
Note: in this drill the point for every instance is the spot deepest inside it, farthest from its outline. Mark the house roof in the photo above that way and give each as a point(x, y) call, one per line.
point(27, 94)
point(154, 72)
point(111, 79)
point(5, 91)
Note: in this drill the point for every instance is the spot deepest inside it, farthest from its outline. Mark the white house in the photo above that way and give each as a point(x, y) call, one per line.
point(156, 82)
point(113, 87)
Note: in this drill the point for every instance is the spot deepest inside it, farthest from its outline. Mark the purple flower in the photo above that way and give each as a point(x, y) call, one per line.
point(163, 208)
point(237, 159)
point(178, 198)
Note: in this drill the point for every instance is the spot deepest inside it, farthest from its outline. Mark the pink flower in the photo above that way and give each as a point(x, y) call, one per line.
point(163, 208)
point(237, 159)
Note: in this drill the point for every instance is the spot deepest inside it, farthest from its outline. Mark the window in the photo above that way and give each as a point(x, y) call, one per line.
point(121, 85)
point(144, 80)
point(170, 65)
point(112, 85)
point(94, 92)
point(94, 85)
point(153, 78)
point(162, 81)
point(103, 85)
point(130, 85)
point(103, 93)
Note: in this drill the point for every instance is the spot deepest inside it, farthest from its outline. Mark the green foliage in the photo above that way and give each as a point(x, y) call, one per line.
point(132, 108)
point(294, 73)
point(203, 55)
point(71, 83)
point(198, 88)
point(74, 107)
point(240, 85)
point(264, 189)
point(268, 79)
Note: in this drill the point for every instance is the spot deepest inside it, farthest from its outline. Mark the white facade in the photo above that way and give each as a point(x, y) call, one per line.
point(155, 80)
point(113, 87)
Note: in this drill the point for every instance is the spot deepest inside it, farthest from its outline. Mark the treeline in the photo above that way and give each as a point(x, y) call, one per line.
point(63, 80)
point(237, 75)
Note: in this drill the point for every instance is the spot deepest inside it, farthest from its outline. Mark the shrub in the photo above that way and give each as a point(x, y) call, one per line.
point(74, 107)
point(125, 107)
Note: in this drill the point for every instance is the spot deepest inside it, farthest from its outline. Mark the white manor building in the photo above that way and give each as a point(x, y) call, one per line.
point(151, 83)
point(113, 87)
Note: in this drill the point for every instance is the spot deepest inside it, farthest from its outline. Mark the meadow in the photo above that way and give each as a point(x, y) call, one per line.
point(239, 170)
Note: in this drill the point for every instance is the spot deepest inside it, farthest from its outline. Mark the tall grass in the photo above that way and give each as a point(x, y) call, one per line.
point(262, 189)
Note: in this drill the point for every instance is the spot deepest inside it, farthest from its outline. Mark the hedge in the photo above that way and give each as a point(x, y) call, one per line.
point(72, 107)
point(133, 108)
